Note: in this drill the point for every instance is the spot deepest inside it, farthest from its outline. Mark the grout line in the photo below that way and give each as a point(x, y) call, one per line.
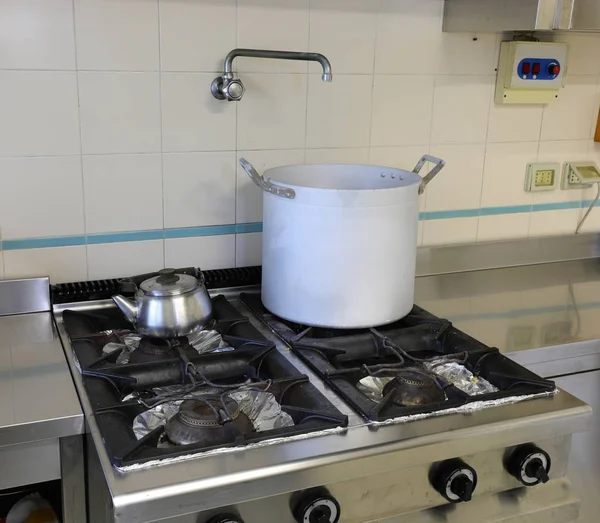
point(160, 119)
point(310, 6)
point(373, 77)
point(235, 170)
point(487, 131)
point(83, 199)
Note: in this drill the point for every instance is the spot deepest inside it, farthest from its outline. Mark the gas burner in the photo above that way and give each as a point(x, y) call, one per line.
point(344, 357)
point(152, 349)
point(208, 420)
point(412, 387)
point(119, 392)
point(158, 349)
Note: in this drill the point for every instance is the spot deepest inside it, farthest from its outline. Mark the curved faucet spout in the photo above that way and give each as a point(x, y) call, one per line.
point(227, 87)
point(278, 55)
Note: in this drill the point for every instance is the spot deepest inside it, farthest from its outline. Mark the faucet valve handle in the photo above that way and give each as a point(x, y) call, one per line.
point(224, 88)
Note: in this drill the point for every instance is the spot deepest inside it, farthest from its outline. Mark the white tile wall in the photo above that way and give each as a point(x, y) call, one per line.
point(37, 34)
point(456, 230)
point(107, 123)
point(114, 260)
point(347, 155)
point(504, 174)
point(192, 119)
point(502, 227)
point(402, 109)
point(41, 197)
point(206, 252)
point(408, 36)
point(38, 113)
point(248, 249)
point(117, 35)
point(61, 264)
point(461, 108)
point(551, 223)
point(120, 112)
point(274, 116)
point(339, 113)
point(196, 35)
point(199, 189)
point(461, 177)
point(345, 31)
point(110, 210)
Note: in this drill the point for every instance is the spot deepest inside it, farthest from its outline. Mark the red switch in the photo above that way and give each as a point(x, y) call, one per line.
point(553, 69)
point(526, 68)
point(536, 68)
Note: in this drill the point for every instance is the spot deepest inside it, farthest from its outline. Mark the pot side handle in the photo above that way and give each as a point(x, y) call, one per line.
point(439, 164)
point(265, 183)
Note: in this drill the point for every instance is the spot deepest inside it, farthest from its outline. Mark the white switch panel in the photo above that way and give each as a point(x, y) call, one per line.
point(531, 72)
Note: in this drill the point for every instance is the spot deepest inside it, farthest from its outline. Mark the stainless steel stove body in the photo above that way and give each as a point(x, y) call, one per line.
point(379, 473)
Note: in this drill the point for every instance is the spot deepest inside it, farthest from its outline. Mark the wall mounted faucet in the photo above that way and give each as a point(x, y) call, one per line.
point(227, 87)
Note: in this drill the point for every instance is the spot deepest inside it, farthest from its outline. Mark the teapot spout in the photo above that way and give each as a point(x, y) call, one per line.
point(128, 308)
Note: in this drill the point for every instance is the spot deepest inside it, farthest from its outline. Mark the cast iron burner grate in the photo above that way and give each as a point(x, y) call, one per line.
point(251, 359)
point(343, 357)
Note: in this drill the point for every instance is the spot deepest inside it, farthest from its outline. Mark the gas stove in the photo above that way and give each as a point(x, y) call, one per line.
point(259, 418)
point(131, 389)
point(421, 363)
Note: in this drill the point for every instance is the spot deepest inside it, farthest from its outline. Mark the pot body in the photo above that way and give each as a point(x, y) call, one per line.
point(342, 252)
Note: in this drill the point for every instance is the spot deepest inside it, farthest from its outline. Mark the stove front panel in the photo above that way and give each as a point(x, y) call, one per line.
point(407, 496)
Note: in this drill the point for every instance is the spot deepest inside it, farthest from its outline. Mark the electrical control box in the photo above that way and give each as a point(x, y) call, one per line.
point(531, 72)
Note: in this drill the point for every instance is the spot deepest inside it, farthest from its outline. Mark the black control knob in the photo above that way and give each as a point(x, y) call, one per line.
point(316, 506)
point(530, 465)
point(226, 518)
point(454, 480)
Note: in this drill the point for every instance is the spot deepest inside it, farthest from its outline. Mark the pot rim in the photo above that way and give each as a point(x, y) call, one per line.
point(409, 178)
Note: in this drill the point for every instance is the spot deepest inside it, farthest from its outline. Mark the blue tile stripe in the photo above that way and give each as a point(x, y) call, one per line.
point(245, 228)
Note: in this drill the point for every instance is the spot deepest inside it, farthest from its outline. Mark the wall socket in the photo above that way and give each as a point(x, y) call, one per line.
point(570, 180)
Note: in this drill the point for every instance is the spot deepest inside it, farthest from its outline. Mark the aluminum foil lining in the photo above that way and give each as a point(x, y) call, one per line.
point(467, 408)
point(461, 377)
point(261, 408)
point(372, 387)
point(451, 372)
point(229, 450)
point(203, 341)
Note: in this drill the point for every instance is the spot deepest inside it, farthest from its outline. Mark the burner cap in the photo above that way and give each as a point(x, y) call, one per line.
point(412, 387)
point(156, 346)
point(205, 421)
point(209, 411)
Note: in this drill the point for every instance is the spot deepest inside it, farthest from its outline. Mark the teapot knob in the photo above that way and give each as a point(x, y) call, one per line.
point(167, 277)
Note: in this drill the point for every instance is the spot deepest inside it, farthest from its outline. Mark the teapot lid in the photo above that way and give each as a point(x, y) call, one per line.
point(168, 283)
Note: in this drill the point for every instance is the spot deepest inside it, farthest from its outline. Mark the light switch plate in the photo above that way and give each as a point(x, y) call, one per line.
point(542, 176)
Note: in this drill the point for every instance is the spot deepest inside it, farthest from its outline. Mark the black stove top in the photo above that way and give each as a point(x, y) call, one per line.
point(398, 357)
point(160, 372)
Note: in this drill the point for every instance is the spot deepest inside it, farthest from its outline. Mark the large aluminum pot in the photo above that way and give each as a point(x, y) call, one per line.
point(339, 241)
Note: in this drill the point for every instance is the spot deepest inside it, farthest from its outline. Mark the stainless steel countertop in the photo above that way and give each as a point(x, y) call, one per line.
point(38, 398)
point(545, 316)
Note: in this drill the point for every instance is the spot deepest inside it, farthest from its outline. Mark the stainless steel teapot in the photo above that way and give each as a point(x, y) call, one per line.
point(168, 305)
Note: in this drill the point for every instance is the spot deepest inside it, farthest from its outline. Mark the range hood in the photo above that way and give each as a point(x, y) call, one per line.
point(521, 15)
